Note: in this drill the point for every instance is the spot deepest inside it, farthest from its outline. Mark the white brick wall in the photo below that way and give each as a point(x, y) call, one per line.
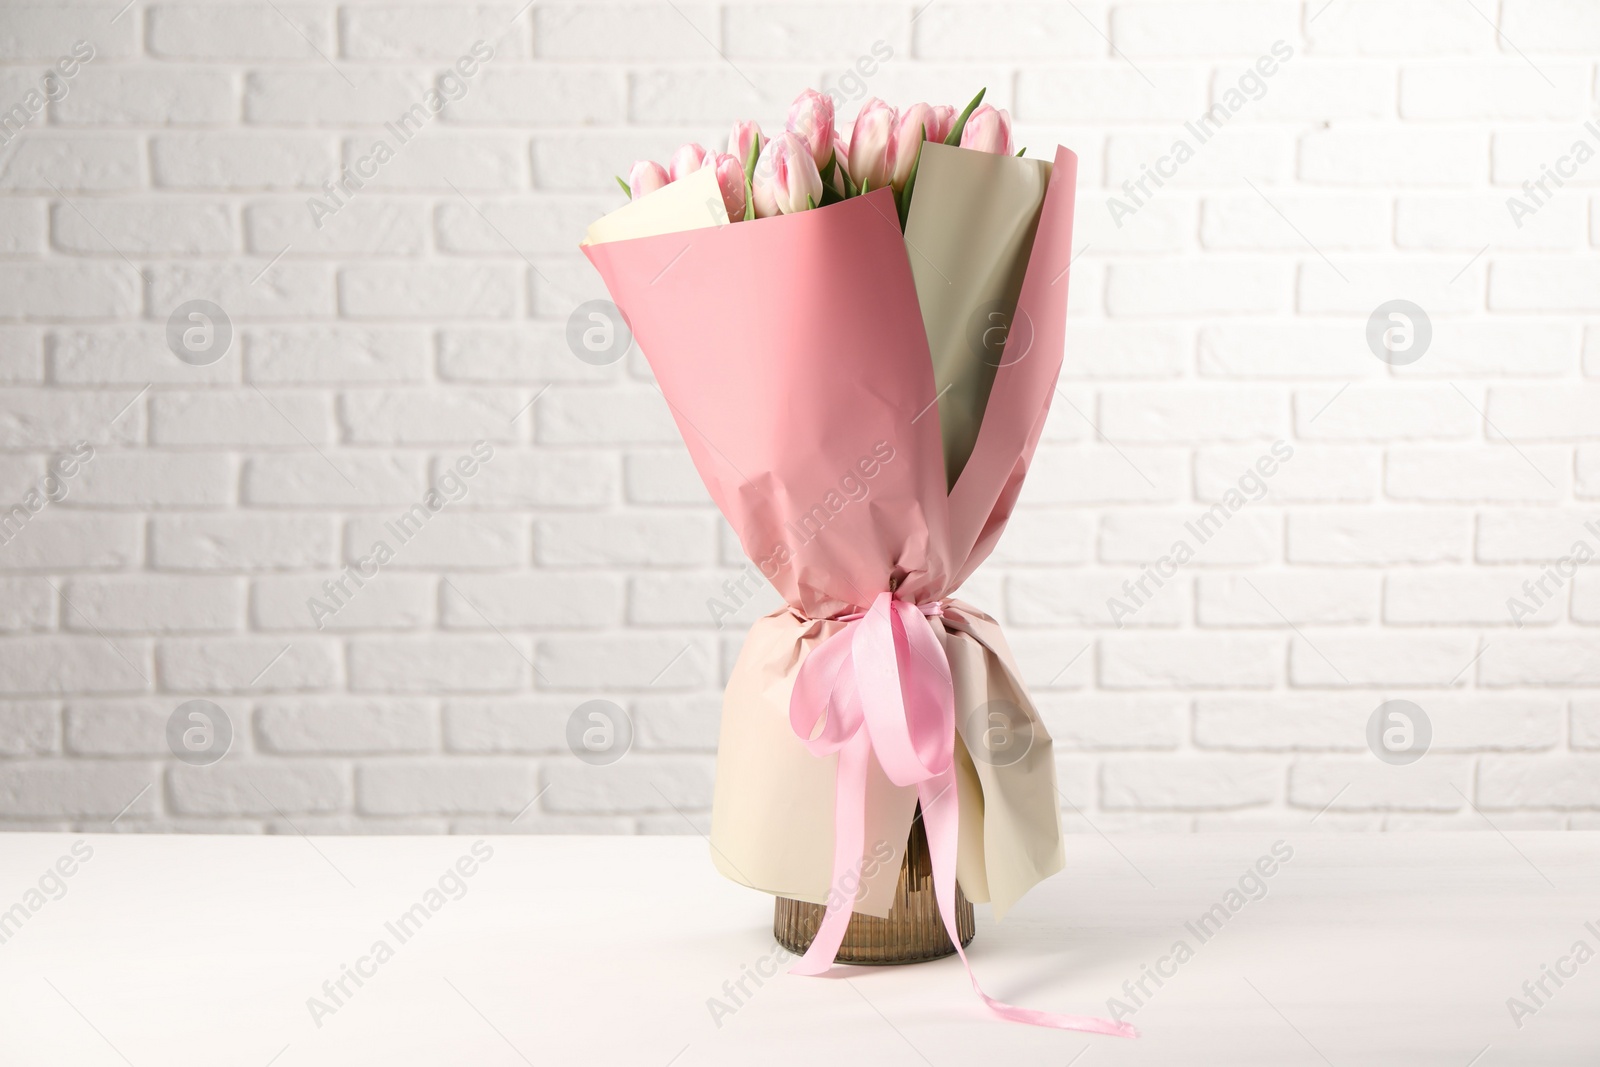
point(1228, 311)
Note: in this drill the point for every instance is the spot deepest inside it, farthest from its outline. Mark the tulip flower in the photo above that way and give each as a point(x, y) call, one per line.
point(988, 130)
point(841, 169)
point(939, 128)
point(743, 136)
point(910, 126)
point(786, 178)
point(645, 177)
point(730, 178)
point(811, 120)
point(871, 144)
point(688, 159)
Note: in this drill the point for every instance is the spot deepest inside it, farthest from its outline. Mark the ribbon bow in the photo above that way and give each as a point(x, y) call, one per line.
point(881, 687)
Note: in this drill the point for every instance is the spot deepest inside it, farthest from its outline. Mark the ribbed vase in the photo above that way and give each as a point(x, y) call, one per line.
point(912, 933)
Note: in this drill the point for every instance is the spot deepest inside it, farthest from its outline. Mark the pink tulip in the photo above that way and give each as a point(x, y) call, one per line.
point(743, 136)
point(988, 130)
point(730, 177)
point(688, 159)
point(786, 178)
point(811, 120)
point(646, 177)
point(871, 145)
point(944, 116)
point(909, 127)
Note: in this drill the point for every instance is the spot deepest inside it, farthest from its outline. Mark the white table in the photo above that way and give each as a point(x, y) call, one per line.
point(1396, 949)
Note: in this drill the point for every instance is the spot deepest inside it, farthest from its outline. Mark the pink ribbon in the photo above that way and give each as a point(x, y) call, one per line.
point(881, 688)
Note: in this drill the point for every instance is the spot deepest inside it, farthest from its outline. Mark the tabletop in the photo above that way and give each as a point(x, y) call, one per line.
point(1449, 949)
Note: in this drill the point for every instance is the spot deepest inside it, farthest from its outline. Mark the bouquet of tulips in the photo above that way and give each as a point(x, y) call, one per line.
point(813, 163)
point(858, 336)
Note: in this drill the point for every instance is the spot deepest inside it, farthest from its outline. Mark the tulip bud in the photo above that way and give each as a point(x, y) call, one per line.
point(944, 116)
point(988, 130)
point(871, 145)
point(811, 120)
point(909, 127)
point(646, 177)
point(786, 178)
point(841, 165)
point(730, 178)
point(743, 136)
point(686, 160)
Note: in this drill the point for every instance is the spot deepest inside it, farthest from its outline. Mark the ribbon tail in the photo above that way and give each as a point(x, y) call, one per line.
point(941, 819)
point(849, 837)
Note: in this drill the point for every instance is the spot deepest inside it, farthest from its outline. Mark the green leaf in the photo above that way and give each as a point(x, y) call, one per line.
point(749, 201)
point(911, 182)
point(625, 188)
point(1020, 152)
point(960, 124)
point(810, 203)
point(750, 160)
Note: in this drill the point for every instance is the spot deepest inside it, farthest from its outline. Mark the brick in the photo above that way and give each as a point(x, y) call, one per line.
point(1539, 660)
point(1563, 782)
point(355, 97)
point(438, 665)
point(1468, 221)
point(534, 479)
point(1237, 152)
point(625, 539)
point(469, 161)
point(506, 725)
point(1507, 89)
point(352, 727)
point(57, 541)
point(1168, 414)
point(240, 31)
point(1427, 785)
point(245, 418)
point(1192, 288)
point(1086, 599)
point(1144, 537)
point(1326, 89)
point(302, 602)
point(45, 161)
point(585, 416)
point(1536, 474)
point(165, 604)
point(1109, 723)
point(637, 783)
point(634, 661)
point(1010, 31)
point(1544, 284)
point(242, 161)
point(1524, 154)
point(1388, 413)
point(1462, 598)
point(1379, 537)
point(1338, 722)
point(334, 355)
point(55, 419)
point(345, 480)
point(79, 664)
point(714, 94)
point(1551, 25)
point(26, 604)
point(509, 227)
point(540, 601)
point(243, 542)
point(529, 353)
point(1188, 784)
point(127, 355)
point(460, 787)
point(366, 227)
point(1530, 536)
point(1385, 158)
point(1106, 93)
point(48, 31)
point(1544, 412)
point(68, 291)
point(389, 291)
point(1248, 221)
point(23, 228)
point(452, 541)
point(435, 416)
point(245, 290)
point(279, 787)
point(549, 96)
point(1200, 661)
point(1267, 599)
point(1311, 473)
point(731, 599)
point(1359, 287)
point(1046, 536)
point(1256, 349)
point(1487, 348)
point(1224, 27)
point(1109, 350)
point(128, 727)
point(430, 31)
point(133, 96)
point(157, 479)
point(1334, 660)
point(663, 477)
point(1423, 27)
point(57, 788)
point(245, 664)
point(29, 728)
point(589, 161)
